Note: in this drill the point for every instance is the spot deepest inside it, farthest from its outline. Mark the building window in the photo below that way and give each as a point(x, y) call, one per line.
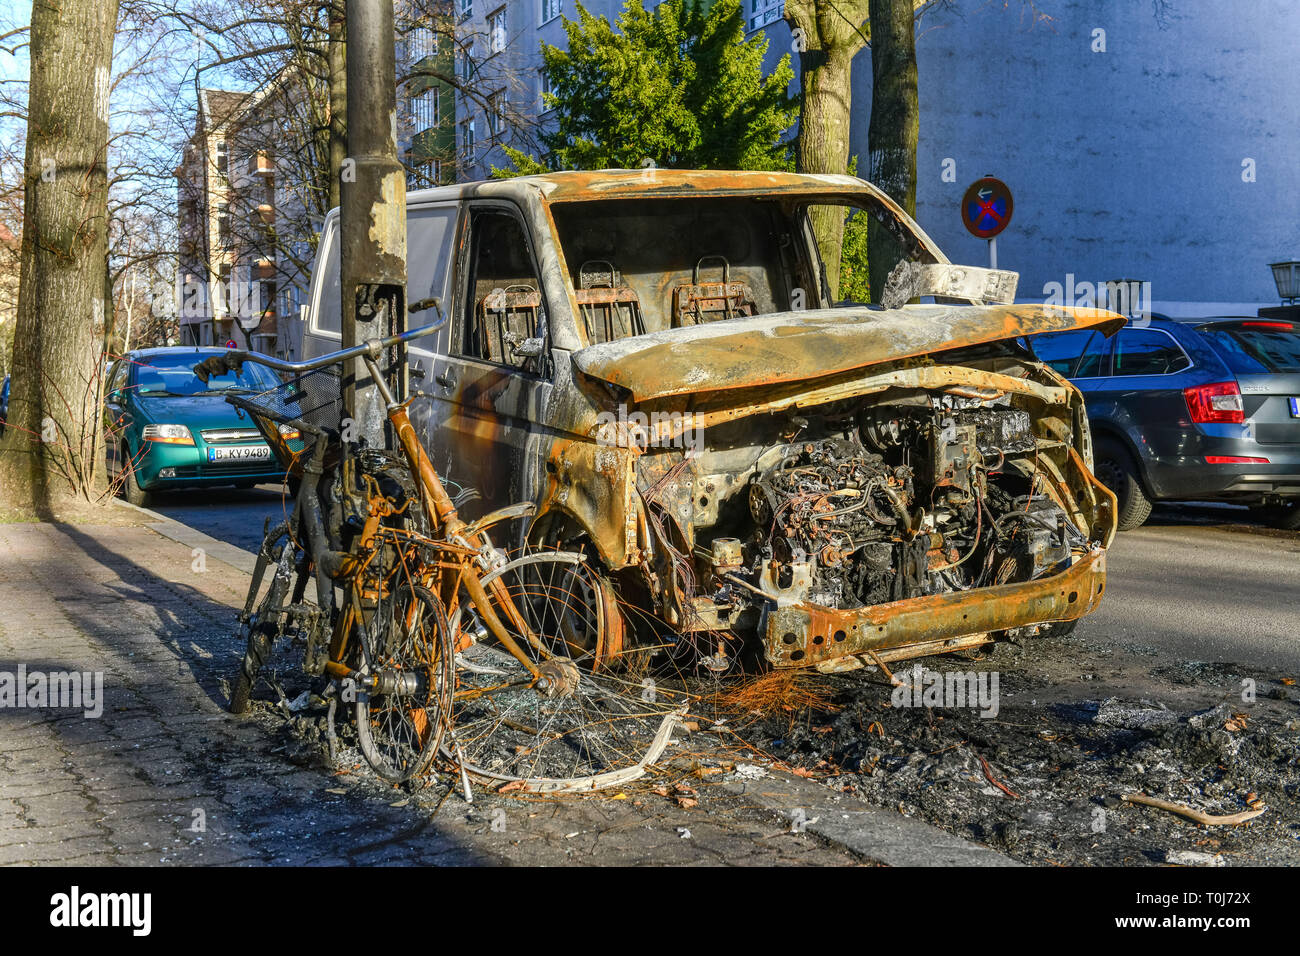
point(544, 91)
point(224, 295)
point(420, 43)
point(466, 8)
point(466, 61)
point(551, 9)
point(424, 110)
point(496, 113)
point(467, 135)
point(223, 224)
point(763, 12)
point(223, 157)
point(496, 31)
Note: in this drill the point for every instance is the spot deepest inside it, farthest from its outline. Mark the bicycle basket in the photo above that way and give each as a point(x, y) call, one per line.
point(311, 403)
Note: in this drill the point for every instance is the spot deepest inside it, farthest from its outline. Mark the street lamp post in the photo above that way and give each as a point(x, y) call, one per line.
point(372, 199)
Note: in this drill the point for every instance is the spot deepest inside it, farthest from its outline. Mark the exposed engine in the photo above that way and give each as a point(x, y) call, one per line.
point(903, 500)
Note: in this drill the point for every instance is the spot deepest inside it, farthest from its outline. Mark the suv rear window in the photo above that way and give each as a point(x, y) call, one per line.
point(1254, 347)
point(1148, 352)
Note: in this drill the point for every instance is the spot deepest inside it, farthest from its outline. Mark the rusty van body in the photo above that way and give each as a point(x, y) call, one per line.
point(653, 358)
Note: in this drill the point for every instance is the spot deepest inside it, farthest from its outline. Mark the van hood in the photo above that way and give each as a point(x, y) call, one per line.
point(793, 346)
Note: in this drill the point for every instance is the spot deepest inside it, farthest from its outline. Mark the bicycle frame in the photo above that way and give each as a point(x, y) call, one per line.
point(332, 563)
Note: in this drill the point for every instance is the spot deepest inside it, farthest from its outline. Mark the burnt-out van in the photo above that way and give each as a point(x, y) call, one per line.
point(654, 359)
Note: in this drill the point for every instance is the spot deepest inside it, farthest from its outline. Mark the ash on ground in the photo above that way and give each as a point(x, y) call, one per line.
point(1078, 725)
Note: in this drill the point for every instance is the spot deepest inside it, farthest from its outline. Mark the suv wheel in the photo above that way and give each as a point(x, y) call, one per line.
point(1117, 471)
point(1285, 515)
point(131, 489)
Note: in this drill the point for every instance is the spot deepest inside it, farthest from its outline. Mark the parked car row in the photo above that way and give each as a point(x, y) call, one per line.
point(1191, 409)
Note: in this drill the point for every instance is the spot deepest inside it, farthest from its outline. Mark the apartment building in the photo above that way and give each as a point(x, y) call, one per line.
point(426, 101)
point(248, 208)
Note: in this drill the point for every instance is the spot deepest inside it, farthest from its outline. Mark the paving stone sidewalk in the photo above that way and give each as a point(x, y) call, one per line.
point(165, 776)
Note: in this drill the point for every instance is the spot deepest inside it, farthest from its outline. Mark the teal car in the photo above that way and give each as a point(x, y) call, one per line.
point(164, 428)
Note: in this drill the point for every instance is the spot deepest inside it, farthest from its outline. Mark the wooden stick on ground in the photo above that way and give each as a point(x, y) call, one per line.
point(988, 773)
point(1209, 819)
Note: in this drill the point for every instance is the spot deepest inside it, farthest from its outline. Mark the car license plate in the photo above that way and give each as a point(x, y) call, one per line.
point(239, 453)
point(1295, 408)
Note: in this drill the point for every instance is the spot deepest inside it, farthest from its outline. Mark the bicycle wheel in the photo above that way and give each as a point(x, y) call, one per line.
point(400, 723)
point(579, 728)
point(262, 625)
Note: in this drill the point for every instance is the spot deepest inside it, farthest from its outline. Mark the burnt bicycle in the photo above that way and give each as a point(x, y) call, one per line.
point(445, 643)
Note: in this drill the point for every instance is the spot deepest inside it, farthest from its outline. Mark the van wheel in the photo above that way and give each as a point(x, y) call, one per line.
point(131, 489)
point(1118, 472)
point(1285, 515)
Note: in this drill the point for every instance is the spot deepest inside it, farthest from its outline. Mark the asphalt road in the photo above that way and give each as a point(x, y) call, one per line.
point(1198, 582)
point(233, 515)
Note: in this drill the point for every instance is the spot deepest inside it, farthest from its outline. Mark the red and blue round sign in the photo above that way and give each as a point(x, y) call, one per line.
point(986, 207)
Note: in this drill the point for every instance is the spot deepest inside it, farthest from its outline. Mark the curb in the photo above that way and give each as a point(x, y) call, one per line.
point(881, 836)
point(237, 558)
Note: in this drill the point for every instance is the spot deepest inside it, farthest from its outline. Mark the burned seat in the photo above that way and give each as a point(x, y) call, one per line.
point(701, 302)
point(506, 318)
point(610, 309)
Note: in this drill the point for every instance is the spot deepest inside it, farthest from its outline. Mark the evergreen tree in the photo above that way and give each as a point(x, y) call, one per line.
point(680, 87)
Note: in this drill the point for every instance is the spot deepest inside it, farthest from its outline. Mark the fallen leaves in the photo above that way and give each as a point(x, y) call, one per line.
point(1236, 723)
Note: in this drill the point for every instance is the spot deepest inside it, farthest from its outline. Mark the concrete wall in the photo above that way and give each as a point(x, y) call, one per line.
point(1126, 163)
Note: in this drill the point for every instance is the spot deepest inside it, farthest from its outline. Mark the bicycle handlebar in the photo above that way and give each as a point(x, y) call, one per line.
point(372, 348)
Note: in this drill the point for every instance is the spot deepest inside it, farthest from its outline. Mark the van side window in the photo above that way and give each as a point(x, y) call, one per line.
point(429, 232)
point(328, 316)
point(504, 318)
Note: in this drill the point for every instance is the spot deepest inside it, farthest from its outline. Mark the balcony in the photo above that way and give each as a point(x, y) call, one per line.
point(261, 163)
point(263, 269)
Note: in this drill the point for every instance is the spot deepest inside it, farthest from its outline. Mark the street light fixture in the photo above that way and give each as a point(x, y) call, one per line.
point(1286, 276)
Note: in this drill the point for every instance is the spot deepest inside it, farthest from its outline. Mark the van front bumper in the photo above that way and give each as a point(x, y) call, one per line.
point(802, 634)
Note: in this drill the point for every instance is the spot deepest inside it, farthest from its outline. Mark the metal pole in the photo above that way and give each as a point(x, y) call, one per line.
point(993, 253)
point(372, 194)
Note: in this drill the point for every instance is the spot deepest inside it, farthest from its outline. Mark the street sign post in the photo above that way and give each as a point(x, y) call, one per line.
point(986, 210)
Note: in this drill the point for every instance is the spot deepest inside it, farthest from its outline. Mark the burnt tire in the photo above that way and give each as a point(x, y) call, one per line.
point(241, 689)
point(261, 628)
point(399, 733)
point(1115, 468)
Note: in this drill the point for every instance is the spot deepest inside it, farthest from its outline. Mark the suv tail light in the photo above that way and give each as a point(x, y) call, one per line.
point(1234, 460)
point(1218, 402)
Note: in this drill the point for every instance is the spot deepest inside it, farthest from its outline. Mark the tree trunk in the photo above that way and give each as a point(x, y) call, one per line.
point(55, 404)
point(827, 37)
point(338, 97)
point(895, 121)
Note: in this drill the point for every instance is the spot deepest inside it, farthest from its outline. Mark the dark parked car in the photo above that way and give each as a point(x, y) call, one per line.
point(1191, 409)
